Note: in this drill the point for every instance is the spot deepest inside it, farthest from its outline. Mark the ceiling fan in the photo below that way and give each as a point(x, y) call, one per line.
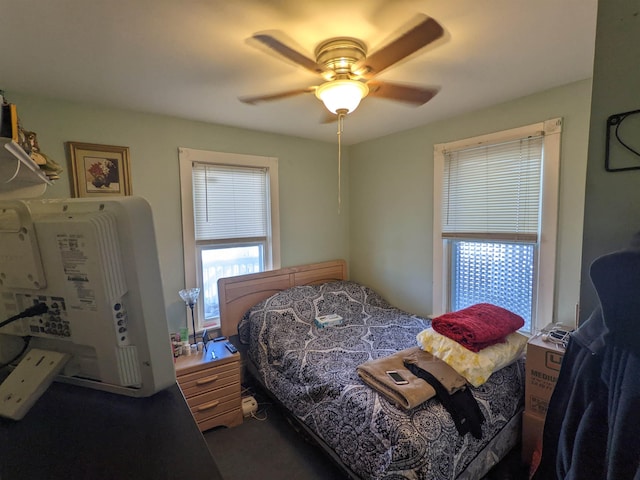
point(348, 71)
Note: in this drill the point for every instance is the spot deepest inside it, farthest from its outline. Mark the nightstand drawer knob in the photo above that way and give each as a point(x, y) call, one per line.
point(204, 381)
point(208, 406)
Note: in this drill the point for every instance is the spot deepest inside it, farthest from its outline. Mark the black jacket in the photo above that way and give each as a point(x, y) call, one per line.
point(592, 428)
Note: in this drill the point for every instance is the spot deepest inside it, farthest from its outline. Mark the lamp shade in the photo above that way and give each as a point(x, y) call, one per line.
point(342, 94)
point(190, 296)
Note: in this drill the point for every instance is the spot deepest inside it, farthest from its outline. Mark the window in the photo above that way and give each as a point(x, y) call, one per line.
point(229, 221)
point(495, 216)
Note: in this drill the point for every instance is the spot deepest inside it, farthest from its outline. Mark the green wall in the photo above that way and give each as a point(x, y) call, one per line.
point(612, 204)
point(312, 230)
point(384, 229)
point(391, 195)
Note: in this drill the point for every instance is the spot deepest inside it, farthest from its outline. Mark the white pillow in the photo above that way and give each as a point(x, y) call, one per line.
point(475, 367)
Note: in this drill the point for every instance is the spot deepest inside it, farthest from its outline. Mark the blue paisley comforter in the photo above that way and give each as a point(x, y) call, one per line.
point(312, 371)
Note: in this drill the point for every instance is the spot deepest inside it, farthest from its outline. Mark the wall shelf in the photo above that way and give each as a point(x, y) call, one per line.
point(20, 176)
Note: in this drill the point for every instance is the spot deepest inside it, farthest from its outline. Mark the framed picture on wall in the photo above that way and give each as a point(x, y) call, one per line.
point(99, 170)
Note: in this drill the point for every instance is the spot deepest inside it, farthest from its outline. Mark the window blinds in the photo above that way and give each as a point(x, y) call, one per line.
point(493, 191)
point(229, 202)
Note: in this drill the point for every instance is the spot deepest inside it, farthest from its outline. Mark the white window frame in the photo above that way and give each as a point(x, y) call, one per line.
point(189, 156)
point(542, 311)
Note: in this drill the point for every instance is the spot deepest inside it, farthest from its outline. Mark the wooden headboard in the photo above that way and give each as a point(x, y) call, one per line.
point(237, 294)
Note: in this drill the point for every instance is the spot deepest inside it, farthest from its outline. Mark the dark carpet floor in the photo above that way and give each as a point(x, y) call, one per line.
point(268, 447)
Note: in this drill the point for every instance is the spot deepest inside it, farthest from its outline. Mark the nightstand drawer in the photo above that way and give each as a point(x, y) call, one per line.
point(229, 419)
point(210, 368)
point(212, 379)
point(215, 403)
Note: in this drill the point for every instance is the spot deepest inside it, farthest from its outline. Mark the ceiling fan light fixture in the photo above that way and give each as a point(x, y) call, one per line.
point(342, 94)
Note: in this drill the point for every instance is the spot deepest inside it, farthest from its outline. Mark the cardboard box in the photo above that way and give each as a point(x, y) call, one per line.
point(542, 368)
point(532, 428)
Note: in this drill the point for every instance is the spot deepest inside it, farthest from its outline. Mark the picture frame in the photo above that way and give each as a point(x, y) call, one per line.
point(99, 170)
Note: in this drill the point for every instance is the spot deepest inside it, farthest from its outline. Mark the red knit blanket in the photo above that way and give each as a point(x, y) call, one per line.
point(478, 326)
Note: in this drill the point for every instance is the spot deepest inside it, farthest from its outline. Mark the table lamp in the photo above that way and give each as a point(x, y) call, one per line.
point(190, 297)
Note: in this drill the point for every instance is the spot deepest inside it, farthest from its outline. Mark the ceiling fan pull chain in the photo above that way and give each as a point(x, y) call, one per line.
point(340, 125)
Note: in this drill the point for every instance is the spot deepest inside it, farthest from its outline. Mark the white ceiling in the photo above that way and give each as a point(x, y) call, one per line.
point(191, 58)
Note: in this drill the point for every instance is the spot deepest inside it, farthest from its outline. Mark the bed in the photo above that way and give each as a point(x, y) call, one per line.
point(311, 371)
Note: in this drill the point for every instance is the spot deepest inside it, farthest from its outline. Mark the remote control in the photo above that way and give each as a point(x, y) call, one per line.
point(231, 347)
point(219, 339)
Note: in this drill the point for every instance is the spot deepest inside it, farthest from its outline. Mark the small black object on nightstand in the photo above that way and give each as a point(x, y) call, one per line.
point(231, 347)
point(205, 336)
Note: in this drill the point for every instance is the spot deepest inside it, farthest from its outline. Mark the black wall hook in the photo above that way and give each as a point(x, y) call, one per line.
point(613, 126)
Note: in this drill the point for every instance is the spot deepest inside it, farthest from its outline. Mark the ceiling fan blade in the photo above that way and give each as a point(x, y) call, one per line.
point(275, 96)
point(403, 93)
point(427, 31)
point(288, 52)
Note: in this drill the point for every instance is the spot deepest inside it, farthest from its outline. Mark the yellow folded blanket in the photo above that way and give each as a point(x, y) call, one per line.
point(417, 391)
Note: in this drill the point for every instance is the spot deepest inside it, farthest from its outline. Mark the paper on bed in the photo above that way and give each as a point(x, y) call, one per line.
point(417, 391)
point(328, 320)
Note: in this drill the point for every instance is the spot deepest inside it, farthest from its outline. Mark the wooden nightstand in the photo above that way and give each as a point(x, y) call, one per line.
point(211, 386)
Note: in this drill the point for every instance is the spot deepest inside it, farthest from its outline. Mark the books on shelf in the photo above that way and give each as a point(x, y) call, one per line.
point(9, 121)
